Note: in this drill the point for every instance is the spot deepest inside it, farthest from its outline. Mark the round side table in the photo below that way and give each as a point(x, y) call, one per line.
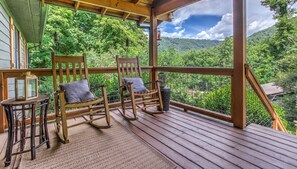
point(17, 112)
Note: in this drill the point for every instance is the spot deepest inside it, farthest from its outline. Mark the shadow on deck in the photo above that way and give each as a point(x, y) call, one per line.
point(195, 141)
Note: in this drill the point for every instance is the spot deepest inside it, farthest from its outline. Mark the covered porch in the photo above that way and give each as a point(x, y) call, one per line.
point(189, 136)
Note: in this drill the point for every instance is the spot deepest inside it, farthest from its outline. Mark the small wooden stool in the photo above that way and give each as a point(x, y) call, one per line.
point(17, 112)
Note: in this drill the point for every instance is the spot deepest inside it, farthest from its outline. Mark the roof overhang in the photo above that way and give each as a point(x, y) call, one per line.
point(30, 17)
point(139, 10)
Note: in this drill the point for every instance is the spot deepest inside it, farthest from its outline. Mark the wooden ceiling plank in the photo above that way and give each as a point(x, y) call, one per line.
point(111, 6)
point(167, 6)
point(122, 6)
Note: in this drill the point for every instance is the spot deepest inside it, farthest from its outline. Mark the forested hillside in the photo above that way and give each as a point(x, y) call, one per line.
point(270, 53)
point(185, 44)
point(260, 36)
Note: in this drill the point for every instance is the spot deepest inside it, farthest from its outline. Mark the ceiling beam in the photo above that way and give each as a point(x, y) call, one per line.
point(167, 6)
point(125, 16)
point(103, 11)
point(136, 1)
point(76, 5)
point(142, 19)
point(165, 17)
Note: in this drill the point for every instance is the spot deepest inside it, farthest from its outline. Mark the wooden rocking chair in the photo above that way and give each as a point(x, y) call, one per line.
point(129, 68)
point(76, 69)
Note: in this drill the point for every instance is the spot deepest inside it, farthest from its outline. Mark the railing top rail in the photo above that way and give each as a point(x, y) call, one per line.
point(10, 73)
point(196, 70)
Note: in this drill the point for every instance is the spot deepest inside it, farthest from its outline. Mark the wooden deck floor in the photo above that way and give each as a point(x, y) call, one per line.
point(195, 141)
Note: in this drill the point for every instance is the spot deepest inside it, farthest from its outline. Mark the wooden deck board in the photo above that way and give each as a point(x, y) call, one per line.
point(229, 146)
point(223, 147)
point(258, 144)
point(277, 134)
point(174, 156)
point(256, 140)
point(241, 144)
point(193, 136)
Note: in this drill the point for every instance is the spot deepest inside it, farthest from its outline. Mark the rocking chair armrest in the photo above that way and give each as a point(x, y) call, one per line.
point(157, 81)
point(100, 85)
point(126, 85)
point(57, 92)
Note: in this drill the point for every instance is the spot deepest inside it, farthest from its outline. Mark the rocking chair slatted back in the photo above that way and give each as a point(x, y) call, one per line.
point(75, 66)
point(127, 68)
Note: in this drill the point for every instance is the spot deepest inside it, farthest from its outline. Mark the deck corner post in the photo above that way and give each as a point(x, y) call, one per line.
point(2, 97)
point(238, 84)
point(153, 45)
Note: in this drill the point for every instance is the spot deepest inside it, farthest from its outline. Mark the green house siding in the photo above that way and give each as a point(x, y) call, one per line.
point(5, 62)
point(4, 40)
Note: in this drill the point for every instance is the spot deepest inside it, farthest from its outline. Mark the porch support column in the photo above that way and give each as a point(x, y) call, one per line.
point(2, 97)
point(153, 45)
point(238, 88)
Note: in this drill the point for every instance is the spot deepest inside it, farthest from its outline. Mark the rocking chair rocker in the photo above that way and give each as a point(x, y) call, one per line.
point(134, 95)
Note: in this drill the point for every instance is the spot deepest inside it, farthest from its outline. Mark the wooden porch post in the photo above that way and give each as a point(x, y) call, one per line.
point(238, 88)
point(153, 45)
point(3, 96)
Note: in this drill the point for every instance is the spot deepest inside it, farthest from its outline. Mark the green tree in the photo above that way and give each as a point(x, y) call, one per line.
point(282, 39)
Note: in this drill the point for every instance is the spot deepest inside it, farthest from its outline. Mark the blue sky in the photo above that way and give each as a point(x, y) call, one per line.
point(212, 19)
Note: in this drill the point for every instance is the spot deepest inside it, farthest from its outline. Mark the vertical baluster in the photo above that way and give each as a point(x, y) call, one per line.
point(131, 68)
point(60, 72)
point(74, 70)
point(67, 72)
point(80, 71)
point(136, 71)
point(123, 71)
point(127, 69)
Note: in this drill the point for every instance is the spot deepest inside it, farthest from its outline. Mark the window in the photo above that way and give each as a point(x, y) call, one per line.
point(16, 49)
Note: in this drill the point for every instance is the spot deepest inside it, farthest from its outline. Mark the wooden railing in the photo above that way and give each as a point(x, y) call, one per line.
point(203, 71)
point(196, 70)
point(8, 73)
point(5, 74)
point(277, 123)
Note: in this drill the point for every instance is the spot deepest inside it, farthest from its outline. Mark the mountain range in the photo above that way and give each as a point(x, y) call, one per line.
point(182, 44)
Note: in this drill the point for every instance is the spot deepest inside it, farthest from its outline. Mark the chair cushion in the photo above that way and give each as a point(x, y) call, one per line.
point(138, 85)
point(77, 91)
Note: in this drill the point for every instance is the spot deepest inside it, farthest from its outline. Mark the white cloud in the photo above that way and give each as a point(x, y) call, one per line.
point(258, 18)
point(204, 7)
point(219, 31)
point(179, 34)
